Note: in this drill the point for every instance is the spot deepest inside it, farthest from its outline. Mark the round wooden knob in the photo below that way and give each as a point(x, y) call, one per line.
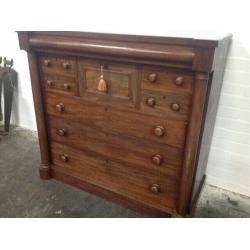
point(60, 107)
point(66, 65)
point(62, 132)
point(159, 131)
point(47, 63)
point(157, 159)
point(50, 83)
point(66, 86)
point(152, 77)
point(179, 80)
point(150, 101)
point(64, 158)
point(155, 188)
point(175, 106)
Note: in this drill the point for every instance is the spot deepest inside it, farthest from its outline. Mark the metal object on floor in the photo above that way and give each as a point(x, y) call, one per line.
point(8, 81)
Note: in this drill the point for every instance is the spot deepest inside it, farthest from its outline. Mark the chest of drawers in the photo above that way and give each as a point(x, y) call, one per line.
point(129, 118)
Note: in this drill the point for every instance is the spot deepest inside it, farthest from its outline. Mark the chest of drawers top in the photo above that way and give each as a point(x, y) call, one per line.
point(126, 117)
point(181, 52)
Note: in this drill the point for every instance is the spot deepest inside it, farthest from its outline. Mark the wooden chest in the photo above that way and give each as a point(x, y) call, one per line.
point(129, 118)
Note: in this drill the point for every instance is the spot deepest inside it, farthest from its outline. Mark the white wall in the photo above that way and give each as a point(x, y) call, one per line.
point(23, 109)
point(229, 161)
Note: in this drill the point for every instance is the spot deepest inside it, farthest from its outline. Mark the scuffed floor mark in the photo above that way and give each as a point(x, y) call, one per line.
point(58, 212)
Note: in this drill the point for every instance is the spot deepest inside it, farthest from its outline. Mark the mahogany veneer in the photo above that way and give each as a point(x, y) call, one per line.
point(129, 118)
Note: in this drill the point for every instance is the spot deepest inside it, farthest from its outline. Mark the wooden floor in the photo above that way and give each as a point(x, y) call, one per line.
point(23, 194)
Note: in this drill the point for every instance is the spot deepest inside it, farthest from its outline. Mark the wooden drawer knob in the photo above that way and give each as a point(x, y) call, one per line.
point(66, 86)
point(62, 132)
point(155, 188)
point(157, 159)
point(64, 158)
point(151, 102)
point(159, 131)
point(50, 83)
point(152, 77)
point(66, 65)
point(175, 106)
point(47, 63)
point(60, 107)
point(179, 80)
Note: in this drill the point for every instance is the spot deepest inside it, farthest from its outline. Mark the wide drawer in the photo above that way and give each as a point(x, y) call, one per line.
point(157, 190)
point(122, 122)
point(152, 156)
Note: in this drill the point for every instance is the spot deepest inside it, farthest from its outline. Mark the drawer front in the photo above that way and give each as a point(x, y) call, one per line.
point(165, 80)
point(154, 157)
point(122, 122)
point(60, 84)
point(121, 82)
point(157, 190)
point(58, 66)
point(59, 74)
point(167, 104)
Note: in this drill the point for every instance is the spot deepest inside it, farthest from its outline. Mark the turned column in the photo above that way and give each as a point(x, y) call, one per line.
point(40, 117)
point(192, 139)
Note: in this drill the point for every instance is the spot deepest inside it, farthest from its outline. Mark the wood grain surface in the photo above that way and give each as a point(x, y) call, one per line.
point(144, 142)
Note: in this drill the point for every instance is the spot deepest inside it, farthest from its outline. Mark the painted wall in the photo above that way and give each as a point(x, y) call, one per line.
point(23, 109)
point(229, 160)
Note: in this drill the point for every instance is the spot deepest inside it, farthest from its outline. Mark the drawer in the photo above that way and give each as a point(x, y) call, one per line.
point(172, 105)
point(57, 66)
point(157, 190)
point(152, 156)
point(167, 80)
point(60, 84)
point(121, 80)
point(122, 122)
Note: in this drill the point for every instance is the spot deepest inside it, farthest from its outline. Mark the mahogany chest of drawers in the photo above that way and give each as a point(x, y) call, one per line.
point(129, 118)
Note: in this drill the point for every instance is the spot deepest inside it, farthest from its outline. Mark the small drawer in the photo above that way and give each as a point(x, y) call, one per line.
point(67, 85)
point(120, 81)
point(158, 190)
point(166, 104)
point(161, 79)
point(58, 66)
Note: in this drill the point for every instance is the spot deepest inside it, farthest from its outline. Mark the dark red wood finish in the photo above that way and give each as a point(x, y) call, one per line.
point(144, 141)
